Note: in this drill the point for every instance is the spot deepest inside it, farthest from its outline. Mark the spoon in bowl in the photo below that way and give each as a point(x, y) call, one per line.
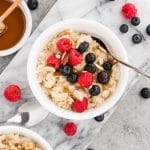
point(3, 27)
point(105, 50)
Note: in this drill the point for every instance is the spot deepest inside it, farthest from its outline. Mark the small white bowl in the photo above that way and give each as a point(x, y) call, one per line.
point(95, 29)
point(26, 132)
point(27, 32)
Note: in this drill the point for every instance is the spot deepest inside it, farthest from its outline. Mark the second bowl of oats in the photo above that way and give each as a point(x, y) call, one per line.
point(70, 72)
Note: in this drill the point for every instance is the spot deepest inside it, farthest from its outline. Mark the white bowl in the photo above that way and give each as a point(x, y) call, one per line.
point(27, 32)
point(92, 28)
point(26, 132)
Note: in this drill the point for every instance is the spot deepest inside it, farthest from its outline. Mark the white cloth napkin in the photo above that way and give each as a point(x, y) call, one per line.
point(75, 8)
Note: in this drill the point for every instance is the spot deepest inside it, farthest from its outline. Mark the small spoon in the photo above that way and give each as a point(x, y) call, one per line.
point(29, 114)
point(3, 27)
point(122, 62)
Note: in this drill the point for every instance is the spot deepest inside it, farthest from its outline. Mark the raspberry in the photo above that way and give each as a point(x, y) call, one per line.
point(85, 79)
point(70, 128)
point(75, 57)
point(64, 45)
point(129, 10)
point(53, 61)
point(80, 106)
point(12, 93)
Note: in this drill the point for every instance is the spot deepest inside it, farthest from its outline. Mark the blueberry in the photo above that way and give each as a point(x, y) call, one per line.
point(83, 47)
point(72, 78)
point(99, 118)
point(107, 65)
point(90, 58)
point(65, 70)
point(103, 77)
point(145, 93)
point(124, 28)
point(94, 90)
point(148, 29)
point(136, 38)
point(32, 4)
point(90, 68)
point(135, 21)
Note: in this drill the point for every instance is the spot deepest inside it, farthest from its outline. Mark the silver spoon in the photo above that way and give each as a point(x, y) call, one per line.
point(29, 114)
point(120, 61)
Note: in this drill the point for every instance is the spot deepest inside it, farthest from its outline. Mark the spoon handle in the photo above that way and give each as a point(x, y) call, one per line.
point(9, 10)
point(134, 68)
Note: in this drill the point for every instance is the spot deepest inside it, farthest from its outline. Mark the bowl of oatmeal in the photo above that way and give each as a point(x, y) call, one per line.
point(19, 138)
point(71, 73)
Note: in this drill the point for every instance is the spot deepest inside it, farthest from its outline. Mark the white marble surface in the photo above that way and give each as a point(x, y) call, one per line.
point(106, 12)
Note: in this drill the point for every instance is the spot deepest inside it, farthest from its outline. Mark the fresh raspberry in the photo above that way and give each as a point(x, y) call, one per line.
point(53, 61)
point(70, 128)
point(85, 79)
point(80, 106)
point(129, 10)
point(64, 45)
point(12, 93)
point(75, 57)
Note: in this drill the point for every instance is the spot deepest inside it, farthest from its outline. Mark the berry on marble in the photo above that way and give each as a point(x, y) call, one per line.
point(135, 21)
point(145, 93)
point(124, 28)
point(12, 93)
point(148, 29)
point(32, 4)
point(99, 118)
point(70, 128)
point(137, 38)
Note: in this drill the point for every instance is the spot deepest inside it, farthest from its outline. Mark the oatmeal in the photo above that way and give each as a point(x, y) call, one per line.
point(15, 141)
point(76, 72)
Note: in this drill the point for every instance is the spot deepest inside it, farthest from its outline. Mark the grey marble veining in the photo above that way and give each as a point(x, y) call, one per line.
point(105, 12)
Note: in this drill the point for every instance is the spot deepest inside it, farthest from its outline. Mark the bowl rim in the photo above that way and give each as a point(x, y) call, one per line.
point(27, 32)
point(50, 106)
point(26, 132)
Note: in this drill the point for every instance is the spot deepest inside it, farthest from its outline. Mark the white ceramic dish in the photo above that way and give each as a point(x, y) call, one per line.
point(27, 32)
point(26, 132)
point(92, 28)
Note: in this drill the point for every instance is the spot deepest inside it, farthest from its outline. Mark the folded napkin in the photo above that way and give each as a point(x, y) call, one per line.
point(75, 8)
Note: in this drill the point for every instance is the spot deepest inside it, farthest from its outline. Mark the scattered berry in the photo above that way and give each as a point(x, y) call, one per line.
point(136, 38)
point(145, 93)
point(90, 68)
point(72, 78)
point(12, 93)
point(85, 79)
point(129, 10)
point(124, 28)
point(80, 106)
point(32, 4)
point(53, 61)
point(94, 90)
point(64, 45)
point(103, 77)
point(107, 65)
point(90, 58)
point(65, 70)
point(148, 29)
point(135, 21)
point(70, 128)
point(99, 118)
point(83, 47)
point(75, 57)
